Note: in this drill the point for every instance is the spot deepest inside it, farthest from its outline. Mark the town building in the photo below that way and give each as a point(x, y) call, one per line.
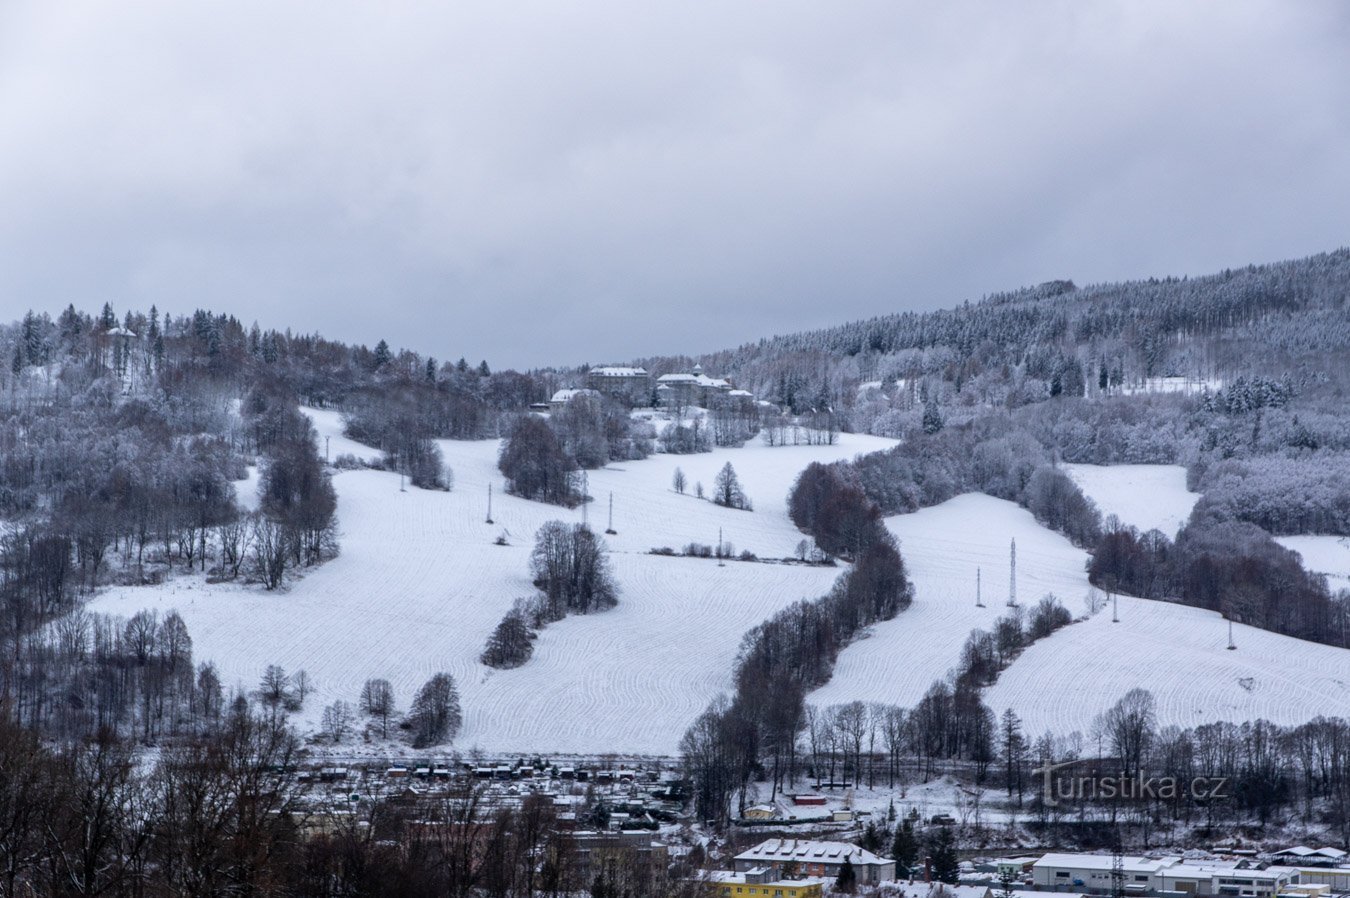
point(562, 397)
point(1093, 873)
point(810, 858)
point(1301, 855)
point(760, 882)
point(690, 388)
point(630, 385)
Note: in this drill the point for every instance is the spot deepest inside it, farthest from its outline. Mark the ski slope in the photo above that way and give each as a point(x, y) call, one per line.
point(1329, 555)
point(1180, 655)
point(943, 547)
point(419, 586)
point(1146, 497)
point(1061, 683)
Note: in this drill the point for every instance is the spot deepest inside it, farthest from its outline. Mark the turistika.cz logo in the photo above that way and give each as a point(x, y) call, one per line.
point(1083, 780)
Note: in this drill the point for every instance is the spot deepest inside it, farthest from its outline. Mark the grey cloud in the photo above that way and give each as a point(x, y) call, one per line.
point(545, 183)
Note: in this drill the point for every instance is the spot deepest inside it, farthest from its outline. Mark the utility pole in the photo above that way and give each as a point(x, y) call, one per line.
point(610, 529)
point(1012, 576)
point(1231, 645)
point(1115, 609)
point(1117, 868)
point(979, 603)
point(489, 514)
point(720, 562)
point(325, 449)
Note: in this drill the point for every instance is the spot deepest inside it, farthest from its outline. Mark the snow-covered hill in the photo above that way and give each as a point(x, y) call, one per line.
point(1329, 555)
point(419, 585)
point(1061, 683)
point(1147, 497)
point(943, 546)
point(1179, 654)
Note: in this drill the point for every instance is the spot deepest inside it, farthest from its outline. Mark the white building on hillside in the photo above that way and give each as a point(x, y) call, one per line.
point(692, 388)
point(562, 397)
point(632, 385)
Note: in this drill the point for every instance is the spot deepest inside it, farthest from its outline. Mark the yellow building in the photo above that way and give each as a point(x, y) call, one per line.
point(747, 885)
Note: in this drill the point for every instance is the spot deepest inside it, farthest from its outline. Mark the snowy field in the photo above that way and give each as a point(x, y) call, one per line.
point(1179, 654)
point(1147, 497)
point(1062, 682)
point(419, 585)
point(1329, 555)
point(942, 547)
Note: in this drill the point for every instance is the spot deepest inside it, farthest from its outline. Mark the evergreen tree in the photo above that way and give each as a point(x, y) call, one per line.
point(932, 417)
point(942, 856)
point(905, 848)
point(847, 880)
point(382, 355)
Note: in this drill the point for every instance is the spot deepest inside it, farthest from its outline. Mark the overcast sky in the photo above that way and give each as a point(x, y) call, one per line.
point(553, 182)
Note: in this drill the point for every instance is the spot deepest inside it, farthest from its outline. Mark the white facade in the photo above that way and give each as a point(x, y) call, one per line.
point(1092, 873)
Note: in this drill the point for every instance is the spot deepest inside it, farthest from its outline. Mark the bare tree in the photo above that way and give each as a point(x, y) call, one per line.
point(337, 720)
point(377, 701)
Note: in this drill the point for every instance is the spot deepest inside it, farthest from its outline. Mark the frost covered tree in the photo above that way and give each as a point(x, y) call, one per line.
point(337, 720)
point(536, 466)
point(274, 690)
point(435, 714)
point(570, 566)
point(511, 643)
point(377, 701)
point(678, 481)
point(727, 490)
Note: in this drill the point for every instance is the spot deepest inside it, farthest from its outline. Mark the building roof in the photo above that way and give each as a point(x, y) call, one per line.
point(568, 395)
point(727, 877)
point(1103, 862)
point(1170, 867)
point(1303, 851)
point(618, 371)
point(779, 851)
point(697, 379)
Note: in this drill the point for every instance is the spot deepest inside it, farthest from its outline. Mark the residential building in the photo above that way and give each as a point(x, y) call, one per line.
point(811, 858)
point(691, 388)
point(630, 385)
point(760, 882)
point(562, 397)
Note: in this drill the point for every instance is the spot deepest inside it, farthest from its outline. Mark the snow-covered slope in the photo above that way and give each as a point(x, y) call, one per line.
point(1180, 654)
point(419, 585)
point(1062, 682)
point(1147, 497)
point(1329, 555)
point(943, 546)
